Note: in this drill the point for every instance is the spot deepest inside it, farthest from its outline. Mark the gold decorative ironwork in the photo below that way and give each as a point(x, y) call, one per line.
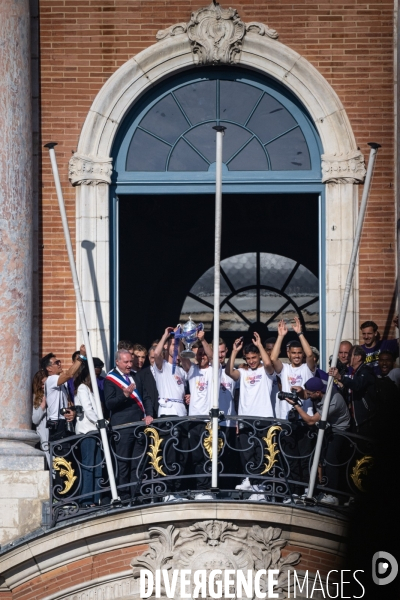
point(154, 450)
point(361, 467)
point(66, 470)
point(271, 452)
point(208, 441)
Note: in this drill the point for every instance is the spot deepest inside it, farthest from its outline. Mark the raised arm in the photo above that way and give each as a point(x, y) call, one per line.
point(63, 378)
point(159, 351)
point(268, 366)
point(276, 350)
point(230, 365)
point(304, 344)
point(206, 345)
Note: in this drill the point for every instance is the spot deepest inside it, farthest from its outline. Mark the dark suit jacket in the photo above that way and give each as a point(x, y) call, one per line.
point(147, 388)
point(123, 410)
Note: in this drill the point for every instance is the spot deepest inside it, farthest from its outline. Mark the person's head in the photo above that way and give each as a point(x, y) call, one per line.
point(75, 355)
point(39, 379)
point(344, 351)
point(251, 355)
point(123, 360)
point(201, 357)
point(295, 353)
point(222, 351)
point(315, 389)
point(125, 345)
point(139, 354)
point(98, 366)
point(369, 333)
point(269, 345)
point(151, 352)
point(357, 357)
point(315, 352)
point(386, 362)
point(83, 376)
point(51, 365)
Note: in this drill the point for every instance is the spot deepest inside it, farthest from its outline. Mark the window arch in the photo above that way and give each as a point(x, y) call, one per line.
point(170, 131)
point(256, 287)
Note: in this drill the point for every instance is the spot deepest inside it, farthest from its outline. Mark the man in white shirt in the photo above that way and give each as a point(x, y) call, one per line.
point(254, 401)
point(170, 380)
point(295, 374)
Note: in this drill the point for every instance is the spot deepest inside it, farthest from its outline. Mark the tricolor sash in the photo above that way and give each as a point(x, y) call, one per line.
point(116, 378)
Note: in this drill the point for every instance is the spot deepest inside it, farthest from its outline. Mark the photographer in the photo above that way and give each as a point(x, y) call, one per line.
point(338, 419)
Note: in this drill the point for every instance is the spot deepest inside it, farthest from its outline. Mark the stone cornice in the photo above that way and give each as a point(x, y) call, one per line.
point(216, 34)
point(348, 168)
point(89, 170)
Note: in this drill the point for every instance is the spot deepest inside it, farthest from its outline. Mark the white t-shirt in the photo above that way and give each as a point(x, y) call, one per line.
point(56, 398)
point(171, 390)
point(291, 377)
point(201, 390)
point(255, 393)
point(227, 387)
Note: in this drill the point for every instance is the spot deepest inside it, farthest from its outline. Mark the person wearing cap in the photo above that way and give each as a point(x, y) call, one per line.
point(339, 421)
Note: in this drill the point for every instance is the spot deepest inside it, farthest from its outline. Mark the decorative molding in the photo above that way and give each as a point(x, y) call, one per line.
point(89, 170)
point(216, 34)
point(215, 544)
point(343, 169)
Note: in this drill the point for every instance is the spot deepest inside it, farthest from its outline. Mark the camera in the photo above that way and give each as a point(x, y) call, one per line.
point(76, 409)
point(290, 396)
point(51, 424)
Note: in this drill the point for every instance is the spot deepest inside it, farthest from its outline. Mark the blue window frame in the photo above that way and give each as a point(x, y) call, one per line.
point(166, 145)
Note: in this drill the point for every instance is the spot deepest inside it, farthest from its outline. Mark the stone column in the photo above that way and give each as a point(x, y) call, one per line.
point(20, 464)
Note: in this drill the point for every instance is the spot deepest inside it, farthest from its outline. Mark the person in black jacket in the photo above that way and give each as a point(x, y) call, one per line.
point(357, 386)
point(126, 406)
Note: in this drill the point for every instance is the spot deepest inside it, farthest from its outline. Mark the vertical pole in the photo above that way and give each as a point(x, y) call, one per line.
point(101, 422)
point(217, 289)
point(342, 318)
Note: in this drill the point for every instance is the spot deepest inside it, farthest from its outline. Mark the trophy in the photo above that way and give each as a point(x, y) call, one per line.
point(189, 336)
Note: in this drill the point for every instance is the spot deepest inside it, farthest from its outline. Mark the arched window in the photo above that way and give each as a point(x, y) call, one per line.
point(256, 287)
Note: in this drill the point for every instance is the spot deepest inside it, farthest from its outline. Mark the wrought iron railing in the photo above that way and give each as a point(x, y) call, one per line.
point(268, 459)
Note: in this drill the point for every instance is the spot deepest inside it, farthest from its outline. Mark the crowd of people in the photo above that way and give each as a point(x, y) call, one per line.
point(157, 382)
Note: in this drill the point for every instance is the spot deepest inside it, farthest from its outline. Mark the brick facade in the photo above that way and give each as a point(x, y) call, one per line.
point(82, 45)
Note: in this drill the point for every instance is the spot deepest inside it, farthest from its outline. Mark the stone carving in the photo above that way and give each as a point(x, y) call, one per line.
point(216, 34)
point(343, 169)
point(119, 589)
point(89, 170)
point(214, 544)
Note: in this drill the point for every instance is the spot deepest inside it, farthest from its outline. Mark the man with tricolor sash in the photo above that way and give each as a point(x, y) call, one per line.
point(126, 406)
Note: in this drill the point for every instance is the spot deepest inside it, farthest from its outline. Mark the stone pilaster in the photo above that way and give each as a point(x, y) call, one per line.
point(16, 437)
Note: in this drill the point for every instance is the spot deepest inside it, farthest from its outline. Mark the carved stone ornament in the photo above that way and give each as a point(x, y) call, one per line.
point(343, 169)
point(216, 34)
point(209, 545)
point(89, 170)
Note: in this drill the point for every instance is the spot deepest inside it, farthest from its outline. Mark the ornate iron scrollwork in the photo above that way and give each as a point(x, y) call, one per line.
point(361, 467)
point(66, 470)
point(208, 441)
point(154, 450)
point(272, 452)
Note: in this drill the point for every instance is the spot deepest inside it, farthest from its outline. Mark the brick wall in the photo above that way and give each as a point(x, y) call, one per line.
point(82, 44)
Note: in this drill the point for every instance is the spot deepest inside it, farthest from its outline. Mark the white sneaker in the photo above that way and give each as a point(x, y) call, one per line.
point(329, 499)
point(292, 498)
point(171, 498)
point(204, 496)
point(245, 485)
point(259, 497)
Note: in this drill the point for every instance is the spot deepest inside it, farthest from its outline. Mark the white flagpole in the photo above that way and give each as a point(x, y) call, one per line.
point(342, 318)
point(217, 288)
point(101, 422)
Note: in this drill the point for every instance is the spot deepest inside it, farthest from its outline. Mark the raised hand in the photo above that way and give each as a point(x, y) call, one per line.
point(82, 350)
point(200, 336)
point(128, 390)
point(256, 339)
point(168, 330)
point(297, 325)
point(238, 344)
point(282, 328)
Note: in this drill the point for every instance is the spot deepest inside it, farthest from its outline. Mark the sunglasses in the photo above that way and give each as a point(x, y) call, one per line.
point(56, 362)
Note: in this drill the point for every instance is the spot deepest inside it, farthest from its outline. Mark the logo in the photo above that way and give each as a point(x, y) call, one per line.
point(201, 385)
point(178, 380)
point(253, 379)
point(384, 568)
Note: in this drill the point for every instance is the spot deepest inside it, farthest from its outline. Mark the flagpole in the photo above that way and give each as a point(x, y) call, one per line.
point(345, 302)
point(217, 289)
point(101, 421)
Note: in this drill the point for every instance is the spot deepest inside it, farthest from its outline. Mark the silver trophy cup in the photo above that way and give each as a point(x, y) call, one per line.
point(189, 328)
